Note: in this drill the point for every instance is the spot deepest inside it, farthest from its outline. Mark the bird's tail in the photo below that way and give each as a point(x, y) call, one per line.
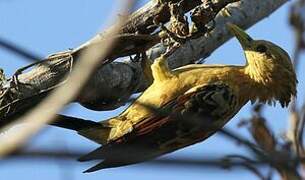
point(98, 134)
point(96, 131)
point(122, 154)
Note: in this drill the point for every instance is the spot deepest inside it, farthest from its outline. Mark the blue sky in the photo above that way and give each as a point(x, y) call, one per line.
point(45, 27)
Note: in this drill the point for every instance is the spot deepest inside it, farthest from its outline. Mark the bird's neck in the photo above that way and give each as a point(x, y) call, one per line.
point(258, 85)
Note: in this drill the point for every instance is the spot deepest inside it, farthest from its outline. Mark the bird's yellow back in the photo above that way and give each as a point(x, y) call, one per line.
point(186, 80)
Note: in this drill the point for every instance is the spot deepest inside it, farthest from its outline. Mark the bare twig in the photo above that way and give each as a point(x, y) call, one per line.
point(297, 119)
point(210, 160)
point(14, 48)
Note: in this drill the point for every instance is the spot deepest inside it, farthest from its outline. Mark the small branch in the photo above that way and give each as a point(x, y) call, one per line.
point(18, 50)
point(295, 132)
point(244, 142)
point(212, 161)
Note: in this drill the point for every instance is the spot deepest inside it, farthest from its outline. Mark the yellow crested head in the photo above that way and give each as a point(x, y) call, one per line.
point(270, 68)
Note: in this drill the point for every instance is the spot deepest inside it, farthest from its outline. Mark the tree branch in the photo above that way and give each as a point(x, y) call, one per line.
point(113, 83)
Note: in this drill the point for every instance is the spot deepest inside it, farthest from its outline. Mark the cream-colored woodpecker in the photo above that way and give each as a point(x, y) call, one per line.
point(197, 100)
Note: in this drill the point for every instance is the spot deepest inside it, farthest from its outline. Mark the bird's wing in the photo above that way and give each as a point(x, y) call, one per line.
point(188, 119)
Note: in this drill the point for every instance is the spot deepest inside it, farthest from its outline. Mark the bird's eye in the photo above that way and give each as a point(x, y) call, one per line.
point(261, 48)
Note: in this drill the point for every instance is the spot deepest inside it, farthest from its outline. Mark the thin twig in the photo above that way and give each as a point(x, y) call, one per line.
point(14, 48)
point(210, 160)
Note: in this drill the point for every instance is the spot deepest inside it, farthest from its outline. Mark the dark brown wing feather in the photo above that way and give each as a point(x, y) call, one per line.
point(186, 120)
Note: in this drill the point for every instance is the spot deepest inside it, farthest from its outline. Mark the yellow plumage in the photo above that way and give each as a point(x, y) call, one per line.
point(199, 100)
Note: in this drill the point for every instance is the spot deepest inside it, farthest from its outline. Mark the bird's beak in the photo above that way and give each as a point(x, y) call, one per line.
point(243, 38)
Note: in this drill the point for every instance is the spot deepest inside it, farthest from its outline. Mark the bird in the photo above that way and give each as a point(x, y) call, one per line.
point(187, 105)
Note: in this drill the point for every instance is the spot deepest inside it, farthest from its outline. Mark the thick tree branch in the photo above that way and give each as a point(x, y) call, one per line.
point(113, 83)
